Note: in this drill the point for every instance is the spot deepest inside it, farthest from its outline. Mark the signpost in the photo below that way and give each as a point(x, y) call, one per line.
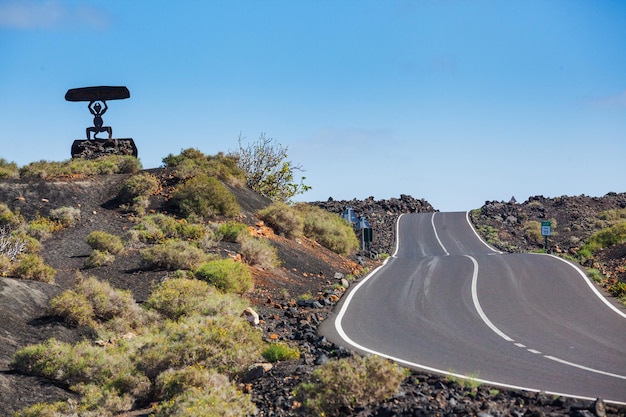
point(546, 230)
point(366, 233)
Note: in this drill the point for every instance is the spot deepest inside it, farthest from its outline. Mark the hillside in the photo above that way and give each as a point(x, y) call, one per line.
point(291, 299)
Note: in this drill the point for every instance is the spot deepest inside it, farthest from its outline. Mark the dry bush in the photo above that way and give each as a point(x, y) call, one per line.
point(259, 251)
point(82, 363)
point(98, 258)
point(172, 255)
point(105, 242)
point(232, 231)
point(328, 229)
point(97, 304)
point(283, 219)
point(179, 297)
point(196, 391)
point(66, 216)
point(340, 386)
point(225, 343)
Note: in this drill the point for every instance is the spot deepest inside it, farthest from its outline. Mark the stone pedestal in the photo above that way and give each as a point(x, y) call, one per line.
point(95, 148)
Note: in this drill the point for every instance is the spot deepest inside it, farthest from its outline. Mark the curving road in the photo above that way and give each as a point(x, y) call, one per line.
point(446, 302)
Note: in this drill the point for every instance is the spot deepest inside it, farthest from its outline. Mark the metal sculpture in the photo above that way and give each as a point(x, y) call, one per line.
point(96, 147)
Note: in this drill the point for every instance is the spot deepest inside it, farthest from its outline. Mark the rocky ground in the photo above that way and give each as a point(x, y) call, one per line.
point(307, 269)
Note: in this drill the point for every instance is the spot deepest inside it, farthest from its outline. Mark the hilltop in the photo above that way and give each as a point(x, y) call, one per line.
point(291, 299)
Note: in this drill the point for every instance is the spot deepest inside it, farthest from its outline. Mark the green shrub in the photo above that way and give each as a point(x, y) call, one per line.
point(328, 229)
point(32, 245)
point(277, 352)
point(225, 168)
point(41, 228)
point(596, 275)
point(618, 290)
point(9, 219)
point(340, 386)
point(31, 266)
point(66, 216)
point(191, 163)
point(8, 170)
point(284, 220)
point(227, 344)
point(172, 255)
point(136, 190)
point(98, 258)
point(259, 251)
point(203, 196)
point(57, 409)
point(191, 231)
point(232, 231)
point(226, 275)
point(605, 238)
point(106, 242)
point(179, 297)
point(158, 227)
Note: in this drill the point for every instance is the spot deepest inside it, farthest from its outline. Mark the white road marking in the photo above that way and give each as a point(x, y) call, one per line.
point(432, 222)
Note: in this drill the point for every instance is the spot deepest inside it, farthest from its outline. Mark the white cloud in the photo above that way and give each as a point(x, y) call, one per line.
point(50, 14)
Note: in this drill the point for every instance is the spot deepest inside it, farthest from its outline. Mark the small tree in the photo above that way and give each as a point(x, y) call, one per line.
point(267, 169)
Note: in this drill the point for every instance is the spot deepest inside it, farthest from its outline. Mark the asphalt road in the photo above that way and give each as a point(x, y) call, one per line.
point(448, 303)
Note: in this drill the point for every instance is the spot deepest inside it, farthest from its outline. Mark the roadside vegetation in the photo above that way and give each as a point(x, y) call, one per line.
point(326, 228)
point(345, 384)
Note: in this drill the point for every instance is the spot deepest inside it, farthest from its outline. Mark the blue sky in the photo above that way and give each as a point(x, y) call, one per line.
point(456, 102)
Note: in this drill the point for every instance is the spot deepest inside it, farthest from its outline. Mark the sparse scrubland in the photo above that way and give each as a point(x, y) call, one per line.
point(179, 344)
point(182, 351)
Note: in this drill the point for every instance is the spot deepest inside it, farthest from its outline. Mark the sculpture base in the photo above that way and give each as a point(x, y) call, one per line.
point(95, 148)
